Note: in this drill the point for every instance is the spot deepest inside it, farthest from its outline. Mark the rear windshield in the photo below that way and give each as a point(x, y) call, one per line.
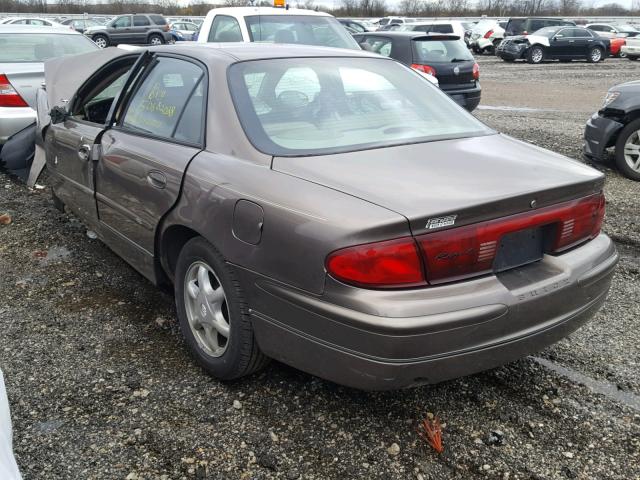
point(302, 29)
point(515, 25)
point(38, 47)
point(297, 107)
point(440, 51)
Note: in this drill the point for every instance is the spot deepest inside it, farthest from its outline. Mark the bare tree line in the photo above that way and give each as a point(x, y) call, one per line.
point(347, 8)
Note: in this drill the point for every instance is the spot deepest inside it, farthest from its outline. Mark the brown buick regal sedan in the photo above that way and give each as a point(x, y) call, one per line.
point(327, 208)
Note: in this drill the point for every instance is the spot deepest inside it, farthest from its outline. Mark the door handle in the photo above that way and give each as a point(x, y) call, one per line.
point(157, 179)
point(84, 152)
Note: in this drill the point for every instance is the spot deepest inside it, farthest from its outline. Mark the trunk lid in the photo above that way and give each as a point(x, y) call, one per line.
point(455, 76)
point(473, 179)
point(26, 78)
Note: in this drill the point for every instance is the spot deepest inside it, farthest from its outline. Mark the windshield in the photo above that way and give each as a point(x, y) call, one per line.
point(297, 107)
point(438, 51)
point(302, 29)
point(38, 47)
point(627, 29)
point(547, 31)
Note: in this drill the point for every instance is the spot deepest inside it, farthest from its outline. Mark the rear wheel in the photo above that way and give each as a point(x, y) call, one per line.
point(155, 39)
point(628, 151)
point(212, 312)
point(595, 55)
point(535, 54)
point(101, 41)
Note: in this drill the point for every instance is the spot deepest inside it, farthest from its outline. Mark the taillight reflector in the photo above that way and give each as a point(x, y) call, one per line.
point(461, 252)
point(424, 69)
point(9, 97)
point(388, 264)
point(488, 34)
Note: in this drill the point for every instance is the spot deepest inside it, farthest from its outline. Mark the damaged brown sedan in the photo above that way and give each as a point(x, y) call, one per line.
point(327, 208)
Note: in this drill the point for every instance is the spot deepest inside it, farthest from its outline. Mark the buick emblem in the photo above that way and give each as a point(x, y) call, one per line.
point(456, 70)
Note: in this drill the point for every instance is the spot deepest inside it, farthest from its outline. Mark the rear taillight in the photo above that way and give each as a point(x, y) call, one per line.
point(9, 97)
point(488, 34)
point(389, 264)
point(470, 250)
point(424, 69)
point(462, 252)
point(476, 71)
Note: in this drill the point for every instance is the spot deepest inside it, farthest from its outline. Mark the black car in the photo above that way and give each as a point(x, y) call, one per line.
point(526, 25)
point(138, 29)
point(617, 124)
point(444, 56)
point(555, 43)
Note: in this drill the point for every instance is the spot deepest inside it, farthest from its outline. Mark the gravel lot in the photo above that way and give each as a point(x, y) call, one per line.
point(101, 386)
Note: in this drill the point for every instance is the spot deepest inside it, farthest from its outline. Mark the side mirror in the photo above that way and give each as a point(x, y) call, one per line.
point(58, 114)
point(558, 36)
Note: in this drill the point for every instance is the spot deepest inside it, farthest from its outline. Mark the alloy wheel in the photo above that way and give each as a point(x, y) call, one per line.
point(536, 56)
point(156, 41)
point(596, 55)
point(101, 42)
point(632, 151)
point(207, 309)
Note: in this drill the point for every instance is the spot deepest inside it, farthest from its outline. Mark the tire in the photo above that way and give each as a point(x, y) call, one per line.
point(595, 55)
point(535, 55)
point(101, 40)
point(155, 39)
point(630, 135)
point(236, 356)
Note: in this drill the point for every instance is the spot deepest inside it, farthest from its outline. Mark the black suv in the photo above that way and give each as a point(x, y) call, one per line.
point(527, 25)
point(139, 29)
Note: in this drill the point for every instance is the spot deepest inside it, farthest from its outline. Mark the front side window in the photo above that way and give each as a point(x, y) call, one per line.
point(225, 29)
point(302, 29)
point(162, 100)
point(122, 22)
point(331, 105)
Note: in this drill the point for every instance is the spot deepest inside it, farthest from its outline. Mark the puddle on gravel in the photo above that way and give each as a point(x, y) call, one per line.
point(56, 254)
point(514, 109)
point(605, 388)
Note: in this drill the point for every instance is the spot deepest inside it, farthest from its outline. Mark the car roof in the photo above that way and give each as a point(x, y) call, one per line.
point(251, 11)
point(410, 34)
point(36, 29)
point(244, 51)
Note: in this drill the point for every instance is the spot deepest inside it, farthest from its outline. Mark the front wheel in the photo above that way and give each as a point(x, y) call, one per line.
point(101, 41)
point(535, 55)
point(628, 151)
point(213, 314)
point(595, 55)
point(156, 39)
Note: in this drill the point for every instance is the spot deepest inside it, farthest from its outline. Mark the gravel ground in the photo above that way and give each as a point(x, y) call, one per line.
point(101, 386)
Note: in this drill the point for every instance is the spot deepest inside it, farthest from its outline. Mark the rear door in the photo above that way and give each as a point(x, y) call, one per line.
point(580, 42)
point(141, 25)
point(144, 157)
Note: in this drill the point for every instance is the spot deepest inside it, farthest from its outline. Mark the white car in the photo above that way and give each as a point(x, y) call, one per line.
point(632, 48)
point(33, 21)
point(451, 27)
point(8, 467)
point(608, 30)
point(274, 25)
point(486, 35)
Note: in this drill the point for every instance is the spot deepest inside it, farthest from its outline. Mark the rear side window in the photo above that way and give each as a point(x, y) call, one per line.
point(140, 21)
point(515, 25)
point(578, 32)
point(538, 24)
point(158, 19)
point(380, 45)
point(225, 29)
point(164, 100)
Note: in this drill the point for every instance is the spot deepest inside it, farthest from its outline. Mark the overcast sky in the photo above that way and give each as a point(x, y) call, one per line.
point(393, 3)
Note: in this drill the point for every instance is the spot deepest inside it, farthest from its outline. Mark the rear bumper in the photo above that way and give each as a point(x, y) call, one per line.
point(468, 98)
point(14, 119)
point(599, 133)
point(379, 340)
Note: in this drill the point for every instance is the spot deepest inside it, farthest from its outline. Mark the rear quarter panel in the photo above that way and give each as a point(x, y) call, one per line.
point(303, 221)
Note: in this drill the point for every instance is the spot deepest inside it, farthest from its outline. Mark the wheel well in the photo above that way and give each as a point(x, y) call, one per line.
point(171, 243)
